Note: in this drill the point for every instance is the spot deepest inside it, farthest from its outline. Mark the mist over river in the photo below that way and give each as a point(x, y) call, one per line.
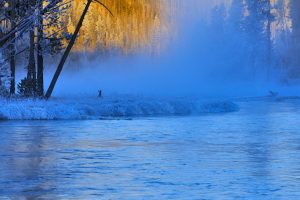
point(252, 153)
point(157, 100)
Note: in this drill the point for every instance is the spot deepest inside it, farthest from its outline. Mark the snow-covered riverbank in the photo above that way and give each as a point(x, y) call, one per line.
point(114, 106)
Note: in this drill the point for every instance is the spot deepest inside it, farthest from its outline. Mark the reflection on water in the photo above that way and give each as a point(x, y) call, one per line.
point(250, 154)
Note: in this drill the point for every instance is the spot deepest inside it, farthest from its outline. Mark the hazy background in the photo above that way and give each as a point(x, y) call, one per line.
point(190, 63)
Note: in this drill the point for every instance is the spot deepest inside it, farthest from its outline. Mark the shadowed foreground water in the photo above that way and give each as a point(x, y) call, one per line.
point(250, 154)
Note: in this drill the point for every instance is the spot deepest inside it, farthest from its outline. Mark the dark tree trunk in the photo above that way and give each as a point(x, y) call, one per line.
point(40, 59)
point(66, 53)
point(12, 69)
point(12, 51)
point(31, 74)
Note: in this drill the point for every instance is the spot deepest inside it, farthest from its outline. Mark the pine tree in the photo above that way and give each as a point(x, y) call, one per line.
point(295, 39)
point(258, 23)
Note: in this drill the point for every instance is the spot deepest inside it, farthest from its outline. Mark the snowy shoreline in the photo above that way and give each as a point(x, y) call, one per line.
point(110, 107)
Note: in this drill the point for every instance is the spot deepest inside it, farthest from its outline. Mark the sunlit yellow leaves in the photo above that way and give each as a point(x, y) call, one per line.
point(134, 24)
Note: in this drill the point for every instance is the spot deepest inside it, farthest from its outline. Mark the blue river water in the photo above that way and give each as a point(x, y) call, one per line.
point(253, 153)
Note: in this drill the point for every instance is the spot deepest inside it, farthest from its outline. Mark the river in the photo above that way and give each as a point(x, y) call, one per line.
point(252, 153)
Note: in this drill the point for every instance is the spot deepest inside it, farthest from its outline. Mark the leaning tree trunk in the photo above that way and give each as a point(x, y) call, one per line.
point(66, 53)
point(40, 59)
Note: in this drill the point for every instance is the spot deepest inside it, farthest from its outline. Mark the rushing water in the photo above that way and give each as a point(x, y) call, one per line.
point(250, 154)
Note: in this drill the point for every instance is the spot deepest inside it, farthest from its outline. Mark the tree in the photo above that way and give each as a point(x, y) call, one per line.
point(33, 84)
point(294, 49)
point(69, 47)
point(8, 22)
point(257, 24)
point(13, 18)
point(40, 58)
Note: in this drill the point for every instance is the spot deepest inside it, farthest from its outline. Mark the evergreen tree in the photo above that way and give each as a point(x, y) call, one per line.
point(258, 21)
point(294, 50)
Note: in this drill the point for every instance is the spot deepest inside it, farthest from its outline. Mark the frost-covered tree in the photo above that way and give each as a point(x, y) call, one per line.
point(258, 26)
point(249, 27)
point(8, 21)
point(294, 47)
point(26, 23)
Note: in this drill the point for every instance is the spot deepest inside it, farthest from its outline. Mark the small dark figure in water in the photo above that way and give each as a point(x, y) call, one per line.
point(273, 94)
point(100, 93)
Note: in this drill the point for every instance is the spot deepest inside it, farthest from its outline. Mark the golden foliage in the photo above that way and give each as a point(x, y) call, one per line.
point(134, 24)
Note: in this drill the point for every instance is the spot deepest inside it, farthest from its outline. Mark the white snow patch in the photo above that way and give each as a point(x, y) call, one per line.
point(99, 108)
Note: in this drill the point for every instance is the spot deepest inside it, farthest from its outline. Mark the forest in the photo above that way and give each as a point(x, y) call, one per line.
point(261, 34)
point(263, 37)
point(32, 31)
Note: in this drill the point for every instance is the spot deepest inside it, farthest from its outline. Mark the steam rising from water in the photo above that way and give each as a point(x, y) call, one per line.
point(193, 63)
